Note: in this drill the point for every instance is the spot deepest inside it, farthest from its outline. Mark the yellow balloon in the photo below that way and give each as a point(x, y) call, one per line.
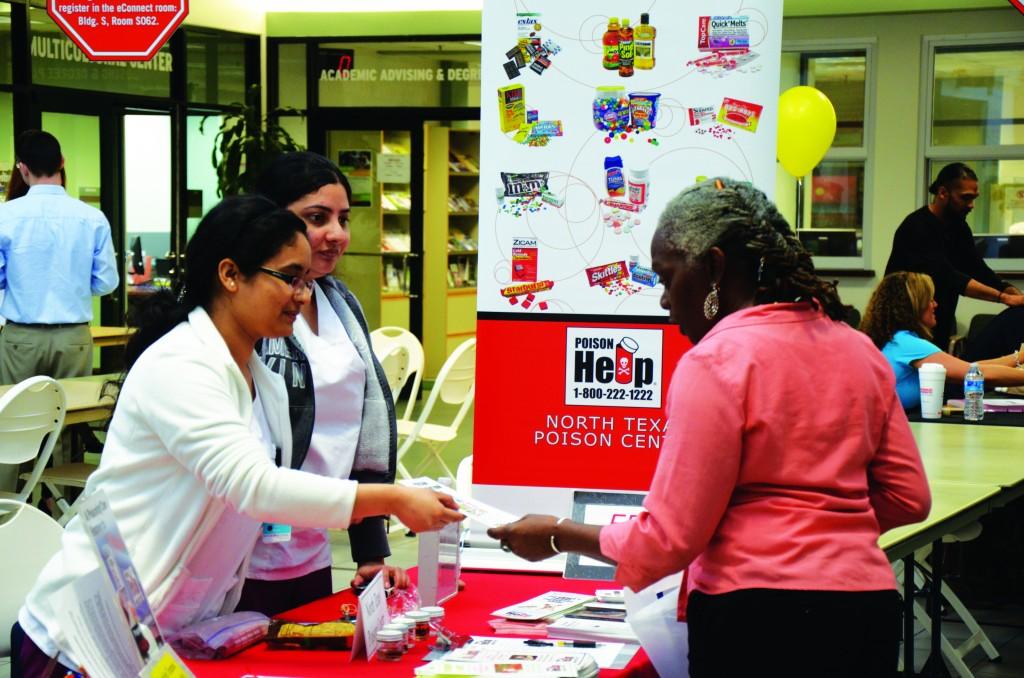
point(807, 127)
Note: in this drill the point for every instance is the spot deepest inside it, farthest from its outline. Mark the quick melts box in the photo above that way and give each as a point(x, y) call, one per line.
point(511, 107)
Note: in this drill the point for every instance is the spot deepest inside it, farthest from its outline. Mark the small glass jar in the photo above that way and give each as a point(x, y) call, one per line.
point(390, 645)
point(436, 618)
point(401, 629)
point(422, 621)
point(410, 629)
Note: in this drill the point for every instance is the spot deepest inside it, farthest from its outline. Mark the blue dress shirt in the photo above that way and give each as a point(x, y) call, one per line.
point(55, 254)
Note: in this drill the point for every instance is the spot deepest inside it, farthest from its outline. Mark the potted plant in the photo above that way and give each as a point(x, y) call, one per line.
point(246, 143)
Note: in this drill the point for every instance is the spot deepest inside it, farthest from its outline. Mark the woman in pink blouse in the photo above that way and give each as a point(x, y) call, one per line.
point(787, 454)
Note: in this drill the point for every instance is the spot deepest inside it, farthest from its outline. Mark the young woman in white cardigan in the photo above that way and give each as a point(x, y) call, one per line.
point(198, 451)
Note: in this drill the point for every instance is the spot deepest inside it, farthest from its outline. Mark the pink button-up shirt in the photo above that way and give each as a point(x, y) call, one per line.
point(787, 453)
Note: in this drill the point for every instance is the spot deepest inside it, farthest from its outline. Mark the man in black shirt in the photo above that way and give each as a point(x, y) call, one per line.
point(937, 240)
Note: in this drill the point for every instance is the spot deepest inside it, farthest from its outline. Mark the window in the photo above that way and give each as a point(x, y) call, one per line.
point(829, 209)
point(216, 67)
point(5, 43)
point(291, 75)
point(976, 115)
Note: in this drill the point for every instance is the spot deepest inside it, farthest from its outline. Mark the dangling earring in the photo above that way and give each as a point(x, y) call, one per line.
point(711, 302)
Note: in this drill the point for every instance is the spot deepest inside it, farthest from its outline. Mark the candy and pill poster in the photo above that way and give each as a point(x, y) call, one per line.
point(594, 115)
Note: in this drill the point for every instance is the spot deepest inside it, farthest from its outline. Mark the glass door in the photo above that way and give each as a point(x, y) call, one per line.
point(382, 266)
point(149, 252)
point(119, 159)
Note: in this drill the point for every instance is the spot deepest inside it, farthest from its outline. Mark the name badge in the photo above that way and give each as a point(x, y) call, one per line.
point(274, 533)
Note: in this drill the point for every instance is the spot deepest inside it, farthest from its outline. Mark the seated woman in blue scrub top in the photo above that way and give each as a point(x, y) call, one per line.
point(899, 319)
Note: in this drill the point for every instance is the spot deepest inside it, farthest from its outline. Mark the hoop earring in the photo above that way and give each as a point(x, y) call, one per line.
point(711, 302)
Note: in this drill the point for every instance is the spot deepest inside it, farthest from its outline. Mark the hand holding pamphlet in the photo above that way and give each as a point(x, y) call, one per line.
point(474, 510)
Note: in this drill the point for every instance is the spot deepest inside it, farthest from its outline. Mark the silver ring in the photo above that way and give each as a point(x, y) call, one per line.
point(505, 547)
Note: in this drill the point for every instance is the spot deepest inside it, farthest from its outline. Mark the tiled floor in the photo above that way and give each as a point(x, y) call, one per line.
point(1006, 630)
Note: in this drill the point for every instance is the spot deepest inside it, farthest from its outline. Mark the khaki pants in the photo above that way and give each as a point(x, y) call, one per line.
point(55, 351)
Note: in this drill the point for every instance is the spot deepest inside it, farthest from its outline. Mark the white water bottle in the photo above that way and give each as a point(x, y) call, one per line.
point(974, 394)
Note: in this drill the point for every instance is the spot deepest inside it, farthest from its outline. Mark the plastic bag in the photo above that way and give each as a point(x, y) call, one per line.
point(221, 636)
point(403, 600)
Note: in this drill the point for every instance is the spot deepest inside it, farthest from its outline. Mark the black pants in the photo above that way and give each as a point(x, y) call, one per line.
point(274, 597)
point(1002, 335)
point(28, 661)
point(798, 634)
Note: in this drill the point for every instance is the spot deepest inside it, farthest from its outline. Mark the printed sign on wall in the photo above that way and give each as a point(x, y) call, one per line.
point(613, 367)
point(592, 120)
point(118, 31)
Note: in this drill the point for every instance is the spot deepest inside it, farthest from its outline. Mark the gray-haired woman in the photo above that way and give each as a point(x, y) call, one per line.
point(776, 476)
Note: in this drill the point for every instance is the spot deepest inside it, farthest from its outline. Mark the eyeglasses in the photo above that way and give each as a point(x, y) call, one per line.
point(298, 283)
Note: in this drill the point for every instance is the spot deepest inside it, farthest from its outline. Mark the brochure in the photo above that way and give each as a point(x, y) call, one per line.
point(607, 655)
point(474, 510)
point(106, 616)
point(550, 604)
point(441, 667)
point(592, 629)
point(580, 663)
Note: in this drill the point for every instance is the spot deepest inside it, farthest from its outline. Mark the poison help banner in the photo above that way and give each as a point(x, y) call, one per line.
point(591, 121)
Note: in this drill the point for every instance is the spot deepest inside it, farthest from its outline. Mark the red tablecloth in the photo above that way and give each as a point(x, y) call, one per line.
point(467, 613)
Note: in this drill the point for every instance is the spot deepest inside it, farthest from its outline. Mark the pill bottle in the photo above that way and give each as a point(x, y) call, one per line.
point(614, 180)
point(390, 645)
point(639, 186)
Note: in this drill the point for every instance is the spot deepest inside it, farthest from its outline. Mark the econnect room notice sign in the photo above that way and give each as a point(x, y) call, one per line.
point(109, 30)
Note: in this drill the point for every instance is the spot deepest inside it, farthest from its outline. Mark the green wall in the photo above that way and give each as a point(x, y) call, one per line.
point(347, 24)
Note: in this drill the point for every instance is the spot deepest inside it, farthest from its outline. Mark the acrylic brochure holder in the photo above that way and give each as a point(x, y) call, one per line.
point(439, 564)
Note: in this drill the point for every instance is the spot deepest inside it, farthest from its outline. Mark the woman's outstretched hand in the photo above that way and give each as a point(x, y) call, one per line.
point(529, 537)
point(425, 510)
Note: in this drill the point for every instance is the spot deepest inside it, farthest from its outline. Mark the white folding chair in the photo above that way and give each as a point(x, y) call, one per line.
point(31, 412)
point(455, 385)
point(382, 339)
point(35, 537)
point(464, 477)
point(395, 364)
point(954, 654)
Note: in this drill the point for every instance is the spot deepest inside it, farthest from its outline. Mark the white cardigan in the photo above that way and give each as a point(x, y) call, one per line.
point(179, 453)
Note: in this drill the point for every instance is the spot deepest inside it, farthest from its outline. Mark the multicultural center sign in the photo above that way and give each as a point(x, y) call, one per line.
point(591, 121)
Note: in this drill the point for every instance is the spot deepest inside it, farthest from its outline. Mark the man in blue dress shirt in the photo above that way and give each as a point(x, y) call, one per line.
point(55, 255)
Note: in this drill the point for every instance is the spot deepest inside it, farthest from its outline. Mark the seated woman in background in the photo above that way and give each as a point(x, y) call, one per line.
point(199, 448)
point(899, 319)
